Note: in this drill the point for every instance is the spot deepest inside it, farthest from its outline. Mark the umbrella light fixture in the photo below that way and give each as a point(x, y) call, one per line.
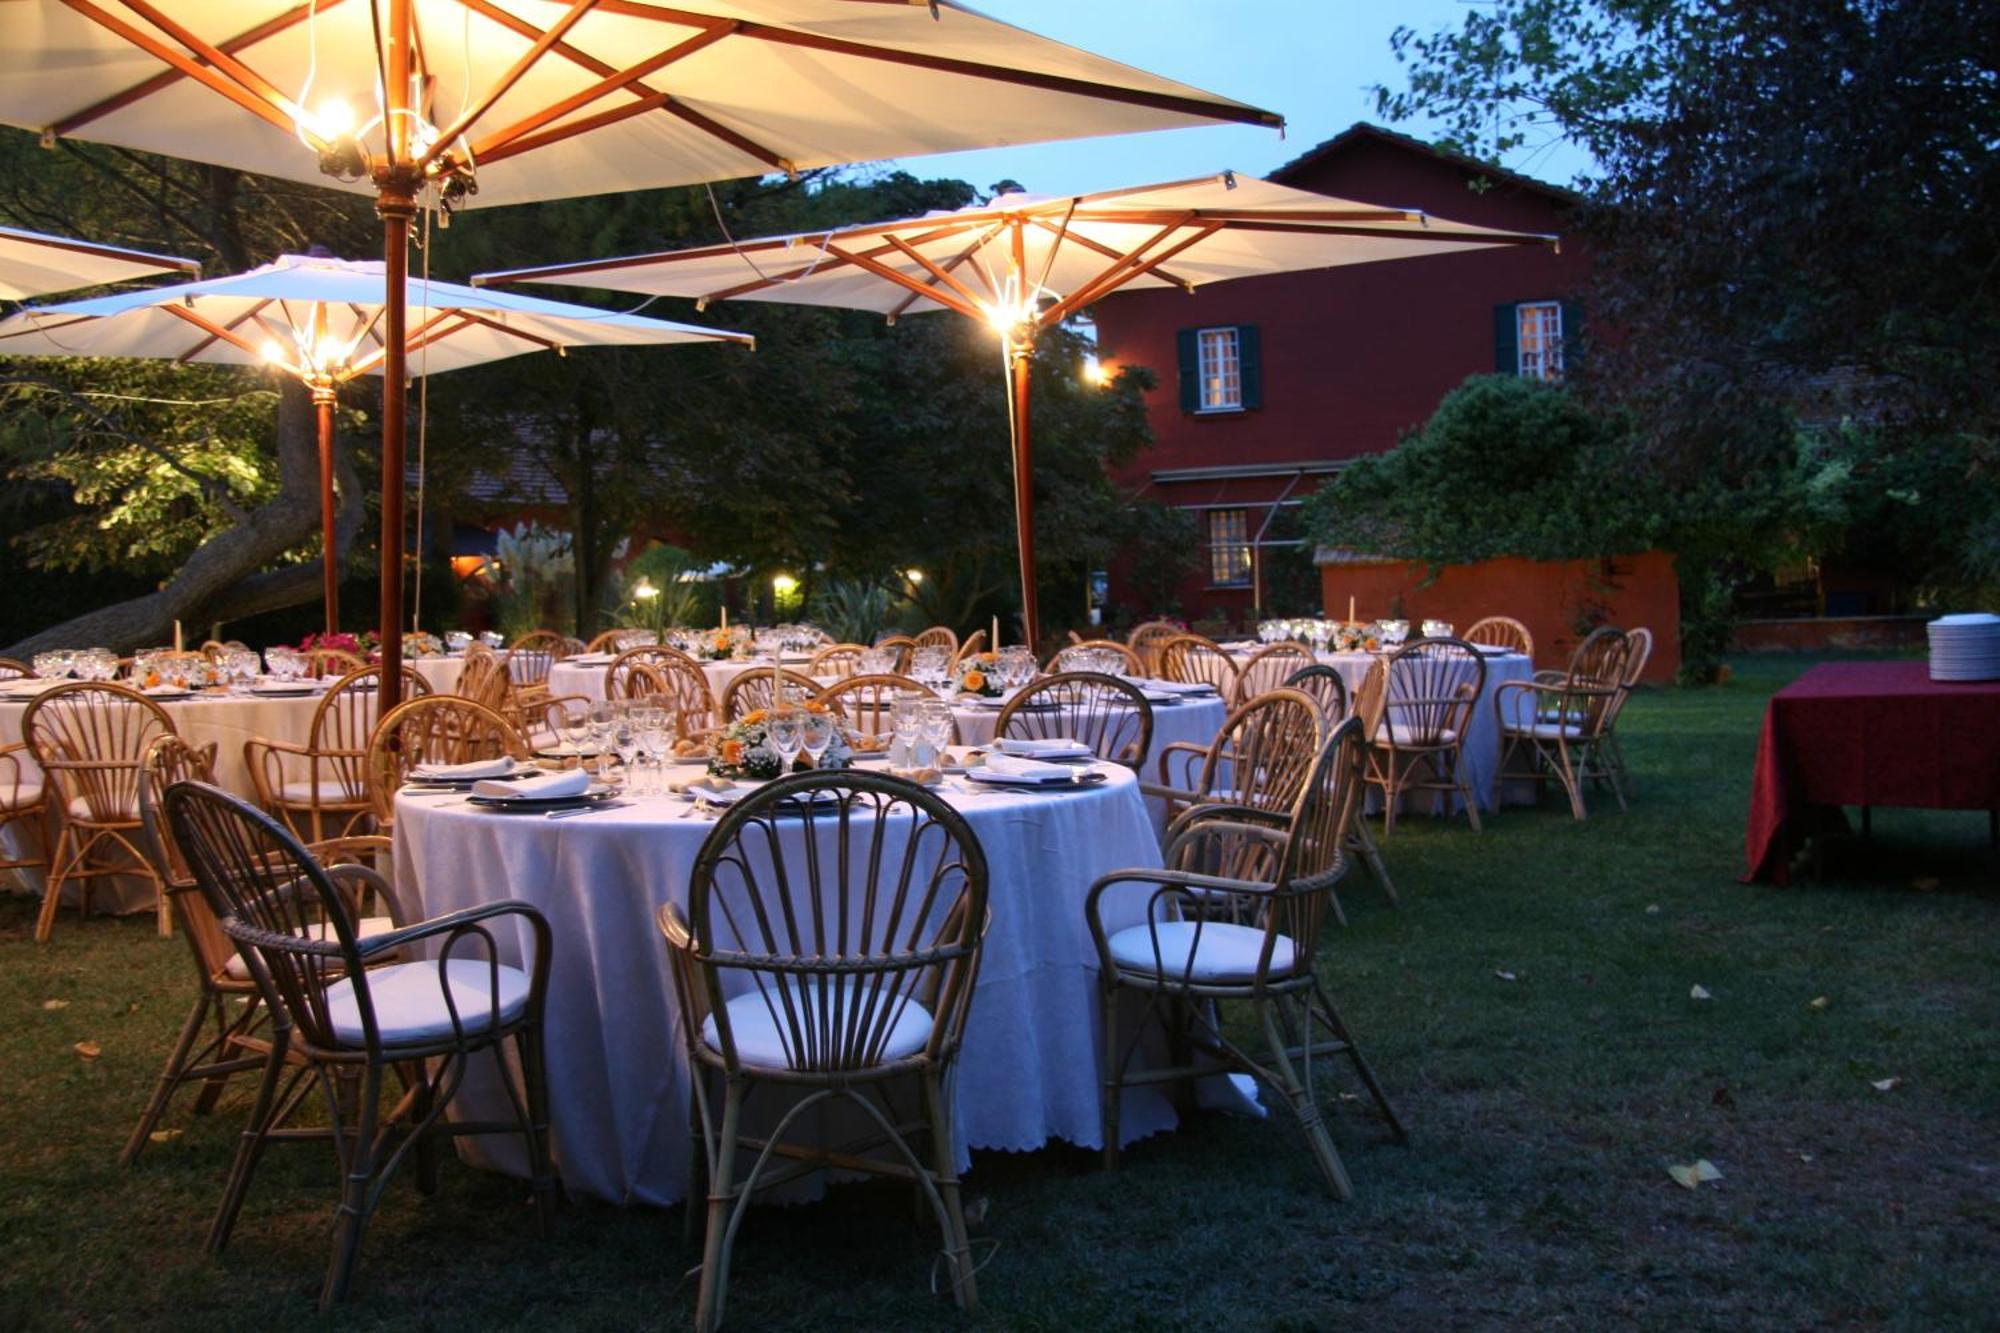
point(444, 103)
point(322, 321)
point(35, 264)
point(1024, 263)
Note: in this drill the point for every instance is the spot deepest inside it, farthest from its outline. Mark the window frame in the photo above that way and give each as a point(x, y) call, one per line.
point(1220, 550)
point(1548, 350)
point(1234, 335)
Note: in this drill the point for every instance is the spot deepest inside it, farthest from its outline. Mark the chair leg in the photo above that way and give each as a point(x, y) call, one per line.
point(1572, 780)
point(170, 1079)
point(1330, 1016)
point(250, 1147)
point(58, 872)
point(1371, 856)
point(1114, 1076)
point(1304, 1105)
point(944, 1170)
point(1464, 788)
point(350, 1223)
point(721, 1196)
point(542, 1179)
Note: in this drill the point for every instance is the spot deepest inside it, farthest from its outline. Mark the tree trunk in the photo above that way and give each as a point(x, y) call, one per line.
point(220, 580)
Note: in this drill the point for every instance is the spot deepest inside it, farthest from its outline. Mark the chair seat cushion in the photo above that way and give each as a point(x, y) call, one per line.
point(761, 1040)
point(369, 925)
point(1405, 737)
point(28, 792)
point(1223, 953)
point(1547, 731)
point(108, 812)
point(332, 791)
point(410, 1005)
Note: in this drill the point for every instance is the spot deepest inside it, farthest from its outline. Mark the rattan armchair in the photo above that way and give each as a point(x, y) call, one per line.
point(1260, 757)
point(866, 703)
point(1109, 715)
point(1640, 644)
point(13, 670)
point(1559, 728)
point(437, 729)
point(1205, 940)
point(320, 789)
point(227, 1007)
point(904, 646)
point(937, 636)
point(973, 645)
point(755, 689)
point(1269, 668)
point(24, 800)
point(836, 659)
point(1327, 687)
point(1191, 659)
point(1146, 640)
point(1068, 653)
point(1418, 709)
point(90, 739)
point(324, 662)
point(339, 1018)
point(833, 978)
point(484, 680)
point(1503, 632)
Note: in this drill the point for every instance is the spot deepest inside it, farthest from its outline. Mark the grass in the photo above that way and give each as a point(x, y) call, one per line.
point(1545, 1110)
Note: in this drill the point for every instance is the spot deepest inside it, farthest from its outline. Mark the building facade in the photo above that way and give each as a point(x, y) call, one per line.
point(1267, 386)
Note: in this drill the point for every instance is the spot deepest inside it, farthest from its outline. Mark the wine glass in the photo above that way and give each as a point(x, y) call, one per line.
point(935, 721)
point(930, 665)
point(785, 734)
point(815, 735)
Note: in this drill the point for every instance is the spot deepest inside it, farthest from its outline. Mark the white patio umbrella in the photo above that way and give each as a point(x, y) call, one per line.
point(430, 101)
point(321, 321)
point(1027, 262)
point(34, 264)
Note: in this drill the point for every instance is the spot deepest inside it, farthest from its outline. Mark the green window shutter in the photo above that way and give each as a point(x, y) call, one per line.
point(1250, 365)
point(1190, 361)
point(1572, 325)
point(1506, 339)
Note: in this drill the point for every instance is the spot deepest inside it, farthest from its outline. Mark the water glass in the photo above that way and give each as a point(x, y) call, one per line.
point(815, 735)
point(457, 640)
point(930, 666)
point(785, 733)
point(1437, 629)
point(875, 661)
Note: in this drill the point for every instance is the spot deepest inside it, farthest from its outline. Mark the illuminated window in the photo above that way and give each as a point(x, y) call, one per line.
point(1229, 547)
point(1538, 331)
point(1220, 369)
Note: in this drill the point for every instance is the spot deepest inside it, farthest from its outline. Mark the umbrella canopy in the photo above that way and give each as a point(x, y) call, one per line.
point(32, 264)
point(610, 94)
point(1027, 262)
point(320, 318)
point(513, 100)
point(321, 321)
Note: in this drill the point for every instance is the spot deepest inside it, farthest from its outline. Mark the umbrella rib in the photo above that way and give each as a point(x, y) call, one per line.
point(1058, 83)
point(615, 80)
point(824, 240)
point(505, 83)
point(1428, 236)
point(1130, 269)
point(1106, 251)
point(226, 333)
point(196, 67)
point(202, 346)
point(249, 79)
point(881, 270)
point(949, 265)
point(937, 274)
point(1345, 215)
point(166, 78)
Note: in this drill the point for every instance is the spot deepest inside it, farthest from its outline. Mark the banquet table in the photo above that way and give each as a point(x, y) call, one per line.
point(440, 673)
point(1867, 734)
point(585, 675)
point(619, 1079)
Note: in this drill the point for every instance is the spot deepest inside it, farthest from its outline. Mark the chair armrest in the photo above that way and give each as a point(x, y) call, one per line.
point(371, 881)
point(282, 747)
point(451, 922)
point(1170, 749)
point(1180, 795)
point(1223, 810)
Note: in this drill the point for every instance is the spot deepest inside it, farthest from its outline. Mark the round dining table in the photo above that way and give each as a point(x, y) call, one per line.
point(619, 1077)
point(583, 676)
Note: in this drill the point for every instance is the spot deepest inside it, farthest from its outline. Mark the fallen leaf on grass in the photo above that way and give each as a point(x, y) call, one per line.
point(164, 1135)
point(1699, 993)
point(55, 1004)
point(1806, 1157)
point(1652, 909)
point(89, 1050)
point(1690, 1176)
point(1819, 1002)
point(1504, 975)
point(1885, 1084)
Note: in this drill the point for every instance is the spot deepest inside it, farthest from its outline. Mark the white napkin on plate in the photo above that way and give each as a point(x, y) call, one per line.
point(549, 786)
point(1007, 766)
point(477, 768)
point(1053, 747)
point(1150, 683)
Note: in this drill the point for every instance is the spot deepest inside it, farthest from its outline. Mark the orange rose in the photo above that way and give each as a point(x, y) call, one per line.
point(974, 681)
point(753, 717)
point(732, 752)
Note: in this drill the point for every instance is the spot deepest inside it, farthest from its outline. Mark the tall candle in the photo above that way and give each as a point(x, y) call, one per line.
point(1350, 609)
point(177, 637)
point(725, 615)
point(995, 644)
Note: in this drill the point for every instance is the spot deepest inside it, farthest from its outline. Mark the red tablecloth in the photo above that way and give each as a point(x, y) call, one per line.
point(1867, 733)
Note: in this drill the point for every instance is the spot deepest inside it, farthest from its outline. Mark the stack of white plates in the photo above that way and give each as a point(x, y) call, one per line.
point(1965, 647)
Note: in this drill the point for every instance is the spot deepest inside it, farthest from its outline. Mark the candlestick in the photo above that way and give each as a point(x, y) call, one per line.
point(725, 615)
point(1350, 609)
point(177, 637)
point(995, 644)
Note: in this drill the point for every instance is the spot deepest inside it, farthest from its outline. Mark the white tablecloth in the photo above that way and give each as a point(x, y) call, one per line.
point(440, 673)
point(1482, 741)
point(619, 1081)
point(587, 678)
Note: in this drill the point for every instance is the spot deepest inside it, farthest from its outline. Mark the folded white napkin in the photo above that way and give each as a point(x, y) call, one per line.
point(477, 768)
point(1171, 686)
point(1053, 747)
point(1007, 766)
point(548, 786)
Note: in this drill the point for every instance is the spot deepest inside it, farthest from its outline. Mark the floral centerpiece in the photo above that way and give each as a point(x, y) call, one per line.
point(422, 643)
point(362, 645)
point(1355, 637)
point(185, 670)
point(978, 674)
point(743, 748)
point(721, 645)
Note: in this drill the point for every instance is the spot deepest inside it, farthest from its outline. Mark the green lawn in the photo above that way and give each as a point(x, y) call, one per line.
point(1545, 1110)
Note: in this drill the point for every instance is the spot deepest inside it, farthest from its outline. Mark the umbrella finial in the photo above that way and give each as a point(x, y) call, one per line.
point(1228, 180)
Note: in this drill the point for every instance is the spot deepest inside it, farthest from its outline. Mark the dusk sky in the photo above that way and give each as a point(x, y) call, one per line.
point(1311, 61)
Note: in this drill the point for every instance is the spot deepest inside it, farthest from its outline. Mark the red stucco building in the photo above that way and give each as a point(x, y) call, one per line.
point(1267, 385)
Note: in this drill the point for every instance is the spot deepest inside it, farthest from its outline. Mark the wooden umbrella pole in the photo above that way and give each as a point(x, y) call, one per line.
point(1020, 361)
point(396, 203)
point(322, 396)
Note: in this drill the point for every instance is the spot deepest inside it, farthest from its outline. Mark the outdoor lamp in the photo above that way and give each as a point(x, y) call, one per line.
point(645, 592)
